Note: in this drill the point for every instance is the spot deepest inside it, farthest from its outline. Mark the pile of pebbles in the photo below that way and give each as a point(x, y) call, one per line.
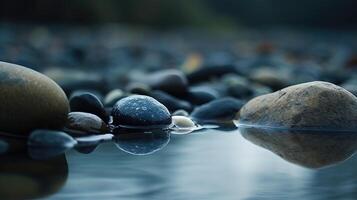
point(162, 89)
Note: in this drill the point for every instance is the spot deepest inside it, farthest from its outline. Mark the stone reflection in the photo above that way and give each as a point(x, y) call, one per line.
point(141, 142)
point(308, 148)
point(24, 178)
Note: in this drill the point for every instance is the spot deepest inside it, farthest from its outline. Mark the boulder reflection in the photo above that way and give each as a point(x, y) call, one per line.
point(308, 148)
point(24, 178)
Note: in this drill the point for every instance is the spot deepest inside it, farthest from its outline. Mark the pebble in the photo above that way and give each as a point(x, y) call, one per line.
point(138, 88)
point(206, 73)
point(113, 96)
point(223, 109)
point(180, 113)
point(140, 111)
point(82, 123)
point(199, 96)
point(183, 122)
point(172, 103)
point(312, 105)
point(89, 103)
point(274, 78)
point(171, 81)
point(29, 100)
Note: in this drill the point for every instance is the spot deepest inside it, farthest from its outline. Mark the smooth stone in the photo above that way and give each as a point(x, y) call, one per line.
point(180, 113)
point(89, 103)
point(140, 111)
point(207, 73)
point(312, 105)
point(274, 78)
point(183, 122)
point(171, 81)
point(85, 123)
point(113, 96)
point(29, 100)
point(201, 95)
point(223, 109)
point(138, 88)
point(172, 103)
point(238, 86)
point(312, 149)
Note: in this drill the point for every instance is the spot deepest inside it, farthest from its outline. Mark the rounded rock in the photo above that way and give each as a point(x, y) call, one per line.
point(89, 103)
point(183, 122)
point(140, 111)
point(218, 110)
point(312, 105)
point(85, 123)
point(29, 100)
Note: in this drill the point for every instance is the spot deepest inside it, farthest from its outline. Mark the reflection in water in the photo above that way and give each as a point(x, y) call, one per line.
point(142, 143)
point(24, 178)
point(309, 148)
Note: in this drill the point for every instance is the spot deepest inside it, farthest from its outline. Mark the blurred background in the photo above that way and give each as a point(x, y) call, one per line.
point(163, 14)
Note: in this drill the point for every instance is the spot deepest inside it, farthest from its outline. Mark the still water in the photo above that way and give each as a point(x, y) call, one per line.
point(204, 165)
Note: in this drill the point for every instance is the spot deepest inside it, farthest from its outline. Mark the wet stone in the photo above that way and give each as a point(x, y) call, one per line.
point(89, 103)
point(224, 109)
point(29, 100)
point(313, 105)
point(140, 111)
point(81, 123)
point(183, 122)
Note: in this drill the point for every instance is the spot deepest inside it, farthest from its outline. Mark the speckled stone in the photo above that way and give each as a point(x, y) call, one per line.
point(140, 111)
point(29, 100)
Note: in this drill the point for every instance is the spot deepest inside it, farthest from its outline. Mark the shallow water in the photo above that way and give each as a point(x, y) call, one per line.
point(204, 165)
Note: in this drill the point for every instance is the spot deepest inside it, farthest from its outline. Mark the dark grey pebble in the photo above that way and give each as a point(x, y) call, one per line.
point(170, 81)
point(140, 111)
point(207, 73)
point(218, 110)
point(201, 96)
point(89, 103)
point(138, 88)
point(172, 103)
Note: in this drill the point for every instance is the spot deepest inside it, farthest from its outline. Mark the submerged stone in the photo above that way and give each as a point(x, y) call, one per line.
point(29, 100)
point(140, 111)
